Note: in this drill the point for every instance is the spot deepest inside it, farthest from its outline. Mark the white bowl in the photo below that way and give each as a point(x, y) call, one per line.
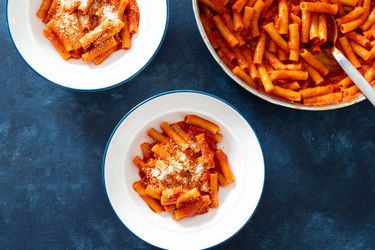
point(237, 202)
point(262, 95)
point(26, 31)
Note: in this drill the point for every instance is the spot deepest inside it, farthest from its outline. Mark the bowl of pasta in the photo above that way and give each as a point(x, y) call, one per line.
point(176, 172)
point(87, 45)
point(277, 50)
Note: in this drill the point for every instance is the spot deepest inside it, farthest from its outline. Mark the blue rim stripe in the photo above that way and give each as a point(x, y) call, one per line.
point(168, 93)
point(90, 90)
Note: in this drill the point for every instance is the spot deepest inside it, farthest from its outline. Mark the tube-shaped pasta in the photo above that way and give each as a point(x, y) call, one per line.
point(214, 190)
point(146, 150)
point(265, 78)
point(272, 46)
point(156, 135)
point(370, 73)
point(100, 49)
point(222, 159)
point(238, 24)
point(152, 192)
point(216, 6)
point(182, 133)
point(362, 40)
point(322, 27)
point(200, 206)
point(315, 91)
point(202, 123)
point(287, 94)
point(43, 9)
point(320, 7)
point(291, 85)
point(370, 21)
point(139, 163)
point(352, 15)
point(360, 51)
point(314, 27)
point(315, 63)
point(252, 68)
point(227, 19)
point(100, 58)
point(152, 203)
point(296, 19)
point(227, 51)
point(187, 197)
point(372, 53)
point(160, 151)
point(349, 51)
point(103, 31)
point(306, 22)
point(240, 73)
point(174, 136)
point(283, 18)
point(221, 180)
point(274, 61)
point(259, 49)
point(238, 6)
point(314, 74)
point(258, 7)
point(289, 75)
point(323, 99)
point(248, 17)
point(315, 47)
point(56, 43)
point(294, 42)
point(241, 60)
point(282, 55)
point(224, 31)
point(350, 3)
point(344, 83)
point(121, 7)
point(348, 92)
point(356, 23)
point(276, 37)
point(125, 35)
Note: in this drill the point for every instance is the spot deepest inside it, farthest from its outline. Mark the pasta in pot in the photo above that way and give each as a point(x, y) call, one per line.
point(276, 46)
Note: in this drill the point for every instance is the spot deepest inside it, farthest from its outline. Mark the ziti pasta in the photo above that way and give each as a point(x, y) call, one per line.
point(276, 46)
point(89, 29)
point(182, 169)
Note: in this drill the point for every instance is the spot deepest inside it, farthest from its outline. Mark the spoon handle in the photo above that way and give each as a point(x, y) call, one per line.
point(356, 77)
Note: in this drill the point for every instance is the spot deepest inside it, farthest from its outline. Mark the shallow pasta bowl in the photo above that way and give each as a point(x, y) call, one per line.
point(26, 31)
point(237, 201)
point(256, 92)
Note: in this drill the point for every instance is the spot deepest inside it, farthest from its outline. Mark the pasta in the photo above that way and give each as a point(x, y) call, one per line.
point(279, 47)
point(182, 170)
point(89, 29)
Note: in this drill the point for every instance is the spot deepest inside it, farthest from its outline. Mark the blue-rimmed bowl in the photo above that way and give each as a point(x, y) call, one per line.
point(237, 201)
point(26, 31)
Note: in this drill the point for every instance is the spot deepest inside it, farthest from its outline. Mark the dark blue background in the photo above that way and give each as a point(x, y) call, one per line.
point(320, 170)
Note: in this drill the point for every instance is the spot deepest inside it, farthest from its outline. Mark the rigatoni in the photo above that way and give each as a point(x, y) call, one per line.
point(280, 46)
point(183, 180)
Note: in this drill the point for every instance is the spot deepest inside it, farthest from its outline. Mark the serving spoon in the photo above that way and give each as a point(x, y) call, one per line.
point(345, 64)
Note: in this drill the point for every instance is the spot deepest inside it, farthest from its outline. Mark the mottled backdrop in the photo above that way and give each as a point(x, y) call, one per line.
point(320, 170)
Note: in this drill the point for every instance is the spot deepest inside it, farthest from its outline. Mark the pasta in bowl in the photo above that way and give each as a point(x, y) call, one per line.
point(236, 201)
point(276, 49)
point(116, 66)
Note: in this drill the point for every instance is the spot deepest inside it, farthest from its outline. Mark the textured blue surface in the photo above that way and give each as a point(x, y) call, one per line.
point(320, 169)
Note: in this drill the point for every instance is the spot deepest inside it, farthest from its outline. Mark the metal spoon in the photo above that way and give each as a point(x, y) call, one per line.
point(345, 64)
